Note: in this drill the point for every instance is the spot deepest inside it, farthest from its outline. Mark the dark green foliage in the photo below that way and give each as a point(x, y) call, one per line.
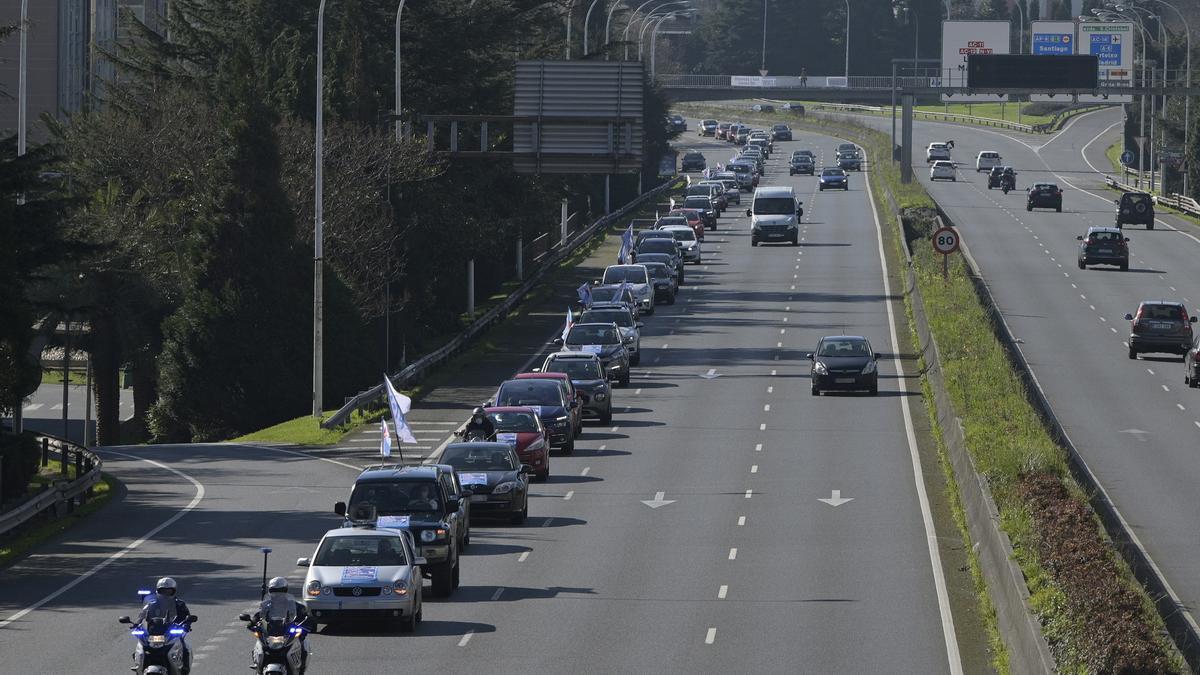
point(19, 455)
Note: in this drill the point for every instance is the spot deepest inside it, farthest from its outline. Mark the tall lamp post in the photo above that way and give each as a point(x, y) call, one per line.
point(22, 96)
point(319, 216)
point(608, 22)
point(654, 36)
point(1104, 15)
point(1162, 42)
point(1187, 100)
point(1021, 42)
point(586, 18)
point(633, 17)
point(764, 46)
point(399, 11)
point(847, 43)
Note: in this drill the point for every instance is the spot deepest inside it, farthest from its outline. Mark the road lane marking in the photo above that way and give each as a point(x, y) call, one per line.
point(949, 634)
point(762, 427)
point(466, 638)
point(523, 557)
point(570, 493)
point(753, 468)
point(758, 447)
point(129, 548)
point(1165, 388)
point(497, 594)
point(722, 592)
point(733, 554)
point(1149, 371)
point(603, 447)
point(741, 521)
point(586, 470)
point(770, 390)
point(767, 408)
point(749, 494)
point(711, 636)
point(637, 391)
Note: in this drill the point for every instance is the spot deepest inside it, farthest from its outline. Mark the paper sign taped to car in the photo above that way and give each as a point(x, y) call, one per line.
point(507, 438)
point(594, 349)
point(353, 574)
point(392, 521)
point(472, 478)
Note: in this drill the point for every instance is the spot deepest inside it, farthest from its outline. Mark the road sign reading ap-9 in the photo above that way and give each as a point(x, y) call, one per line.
point(945, 240)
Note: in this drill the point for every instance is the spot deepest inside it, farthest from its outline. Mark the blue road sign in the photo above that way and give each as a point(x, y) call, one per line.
point(1127, 157)
point(1054, 44)
point(1107, 48)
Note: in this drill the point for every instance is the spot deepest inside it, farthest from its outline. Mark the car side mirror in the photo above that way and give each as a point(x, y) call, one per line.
point(123, 619)
point(303, 562)
point(1129, 317)
point(340, 508)
point(748, 212)
point(557, 341)
point(525, 468)
point(1080, 238)
point(243, 617)
point(420, 561)
point(1193, 319)
point(809, 356)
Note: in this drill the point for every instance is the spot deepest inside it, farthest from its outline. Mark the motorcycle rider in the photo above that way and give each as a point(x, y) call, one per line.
point(279, 605)
point(1008, 179)
point(480, 426)
point(163, 602)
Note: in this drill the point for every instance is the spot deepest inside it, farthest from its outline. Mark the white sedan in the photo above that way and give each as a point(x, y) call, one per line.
point(943, 170)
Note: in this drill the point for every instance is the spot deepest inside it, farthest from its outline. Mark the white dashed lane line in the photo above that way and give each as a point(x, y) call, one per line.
point(722, 592)
point(711, 636)
point(733, 554)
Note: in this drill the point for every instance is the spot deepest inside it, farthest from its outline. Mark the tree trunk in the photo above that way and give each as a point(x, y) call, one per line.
point(106, 370)
point(145, 387)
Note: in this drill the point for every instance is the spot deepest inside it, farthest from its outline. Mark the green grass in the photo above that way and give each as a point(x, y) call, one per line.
point(55, 376)
point(307, 430)
point(12, 549)
point(995, 111)
point(1113, 153)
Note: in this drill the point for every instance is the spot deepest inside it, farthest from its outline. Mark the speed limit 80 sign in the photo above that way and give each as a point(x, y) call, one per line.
point(945, 240)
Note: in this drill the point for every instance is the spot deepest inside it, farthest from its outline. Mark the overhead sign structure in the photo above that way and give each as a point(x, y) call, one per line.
point(1013, 71)
point(1051, 38)
point(1112, 44)
point(961, 39)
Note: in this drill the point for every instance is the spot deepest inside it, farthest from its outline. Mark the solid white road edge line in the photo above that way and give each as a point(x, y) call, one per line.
point(939, 576)
point(128, 548)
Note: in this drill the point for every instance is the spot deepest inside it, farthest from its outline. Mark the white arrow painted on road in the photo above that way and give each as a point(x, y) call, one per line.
point(712, 374)
point(1136, 433)
point(836, 499)
point(658, 500)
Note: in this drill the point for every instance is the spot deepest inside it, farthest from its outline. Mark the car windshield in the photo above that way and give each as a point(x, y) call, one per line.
point(1135, 198)
point(621, 317)
point(844, 347)
point(576, 369)
point(1047, 187)
point(634, 274)
point(657, 246)
point(592, 335)
point(780, 127)
point(514, 421)
point(739, 168)
point(659, 271)
point(476, 458)
point(774, 206)
point(397, 497)
point(683, 235)
point(530, 392)
point(832, 172)
point(360, 551)
point(943, 164)
point(1104, 236)
point(696, 202)
point(671, 220)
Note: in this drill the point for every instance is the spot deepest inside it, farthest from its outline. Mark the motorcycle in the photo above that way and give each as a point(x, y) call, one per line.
point(1008, 183)
point(160, 646)
point(279, 647)
point(474, 436)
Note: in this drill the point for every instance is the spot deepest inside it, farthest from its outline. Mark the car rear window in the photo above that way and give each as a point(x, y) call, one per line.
point(634, 275)
point(589, 335)
point(1162, 312)
point(541, 392)
point(693, 155)
point(1104, 236)
point(657, 246)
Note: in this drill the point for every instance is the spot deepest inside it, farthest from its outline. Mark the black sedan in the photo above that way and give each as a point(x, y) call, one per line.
point(844, 363)
point(781, 132)
point(498, 481)
point(605, 341)
point(1044, 196)
point(546, 397)
point(692, 161)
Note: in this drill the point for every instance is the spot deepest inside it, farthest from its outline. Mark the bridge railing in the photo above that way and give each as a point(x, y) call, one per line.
point(930, 78)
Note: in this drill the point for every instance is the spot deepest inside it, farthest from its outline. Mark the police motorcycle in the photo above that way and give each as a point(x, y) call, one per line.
point(279, 646)
point(160, 647)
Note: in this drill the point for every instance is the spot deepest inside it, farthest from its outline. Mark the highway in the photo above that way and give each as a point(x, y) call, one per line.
point(1135, 423)
point(741, 566)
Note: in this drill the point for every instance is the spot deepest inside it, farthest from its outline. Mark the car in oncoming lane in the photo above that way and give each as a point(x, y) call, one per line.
point(498, 481)
point(1103, 246)
point(522, 429)
point(833, 178)
point(587, 375)
point(781, 132)
point(707, 128)
point(942, 170)
point(1044, 196)
point(365, 572)
point(1160, 326)
point(844, 363)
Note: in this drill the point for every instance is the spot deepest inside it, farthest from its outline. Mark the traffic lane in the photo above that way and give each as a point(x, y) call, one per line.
point(248, 498)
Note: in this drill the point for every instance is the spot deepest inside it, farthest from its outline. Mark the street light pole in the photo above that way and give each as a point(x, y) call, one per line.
point(654, 38)
point(764, 46)
point(1187, 100)
point(399, 122)
point(607, 23)
point(586, 18)
point(318, 217)
point(847, 43)
point(570, 6)
point(22, 95)
point(1021, 43)
point(636, 12)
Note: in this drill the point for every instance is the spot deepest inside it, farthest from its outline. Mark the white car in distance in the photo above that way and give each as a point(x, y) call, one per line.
point(937, 151)
point(943, 170)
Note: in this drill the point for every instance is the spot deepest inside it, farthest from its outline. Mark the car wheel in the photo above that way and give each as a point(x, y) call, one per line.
point(815, 391)
point(636, 360)
point(606, 418)
point(671, 299)
point(1125, 266)
point(519, 517)
point(420, 615)
point(578, 431)
point(454, 576)
point(753, 241)
point(874, 390)
point(1029, 207)
point(408, 624)
point(795, 242)
point(1082, 265)
point(1132, 353)
point(543, 476)
point(569, 448)
point(625, 379)
point(442, 578)
point(1194, 383)
point(1150, 225)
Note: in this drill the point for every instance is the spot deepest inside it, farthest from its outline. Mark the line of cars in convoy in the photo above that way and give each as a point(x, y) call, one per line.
point(403, 523)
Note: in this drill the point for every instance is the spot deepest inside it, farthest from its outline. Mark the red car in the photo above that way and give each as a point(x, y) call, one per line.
point(569, 393)
point(522, 428)
point(694, 220)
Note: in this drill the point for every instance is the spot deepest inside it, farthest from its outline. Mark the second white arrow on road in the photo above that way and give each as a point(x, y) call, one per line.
point(835, 498)
point(712, 374)
point(658, 500)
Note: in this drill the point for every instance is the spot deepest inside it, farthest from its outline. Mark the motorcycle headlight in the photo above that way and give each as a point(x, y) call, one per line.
point(277, 641)
point(428, 535)
point(504, 488)
point(820, 369)
point(157, 640)
point(869, 368)
point(314, 588)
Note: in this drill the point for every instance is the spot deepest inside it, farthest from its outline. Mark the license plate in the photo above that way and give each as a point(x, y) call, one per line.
point(1105, 251)
point(844, 380)
point(479, 498)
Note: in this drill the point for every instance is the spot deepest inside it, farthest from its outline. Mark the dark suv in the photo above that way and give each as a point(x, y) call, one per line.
point(1135, 208)
point(692, 161)
point(1044, 196)
point(428, 501)
point(1160, 326)
point(1103, 246)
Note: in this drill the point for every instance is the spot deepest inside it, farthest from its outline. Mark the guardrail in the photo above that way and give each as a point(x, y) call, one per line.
point(1174, 200)
point(417, 368)
point(64, 493)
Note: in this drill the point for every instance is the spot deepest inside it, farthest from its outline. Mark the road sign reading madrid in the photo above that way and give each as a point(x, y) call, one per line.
point(945, 240)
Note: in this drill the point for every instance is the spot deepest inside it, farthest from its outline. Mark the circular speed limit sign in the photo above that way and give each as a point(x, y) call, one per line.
point(945, 240)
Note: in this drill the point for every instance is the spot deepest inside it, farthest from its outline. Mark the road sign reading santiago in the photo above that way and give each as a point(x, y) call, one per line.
point(1053, 43)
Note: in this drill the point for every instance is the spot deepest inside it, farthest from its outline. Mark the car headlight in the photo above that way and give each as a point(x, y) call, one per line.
point(399, 588)
point(562, 420)
point(428, 535)
point(820, 369)
point(536, 445)
point(504, 488)
point(314, 588)
point(869, 368)
point(601, 396)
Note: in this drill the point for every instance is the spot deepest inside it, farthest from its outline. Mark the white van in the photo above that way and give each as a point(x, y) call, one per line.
point(986, 160)
point(775, 215)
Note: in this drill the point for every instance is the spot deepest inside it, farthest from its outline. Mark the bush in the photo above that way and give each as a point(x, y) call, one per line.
point(1044, 108)
point(19, 455)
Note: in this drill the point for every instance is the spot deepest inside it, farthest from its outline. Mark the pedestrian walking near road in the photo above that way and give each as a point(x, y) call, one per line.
point(804, 77)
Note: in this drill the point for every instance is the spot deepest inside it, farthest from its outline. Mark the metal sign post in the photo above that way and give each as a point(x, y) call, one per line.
point(945, 241)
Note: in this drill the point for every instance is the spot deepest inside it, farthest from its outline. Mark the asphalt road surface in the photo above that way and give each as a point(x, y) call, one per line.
point(743, 567)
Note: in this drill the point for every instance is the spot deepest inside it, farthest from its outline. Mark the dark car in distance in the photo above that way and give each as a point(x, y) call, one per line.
point(678, 123)
point(1103, 246)
point(1160, 326)
point(844, 363)
point(692, 161)
point(833, 178)
point(1044, 196)
point(801, 164)
point(546, 397)
point(997, 174)
point(781, 132)
point(587, 375)
point(1135, 208)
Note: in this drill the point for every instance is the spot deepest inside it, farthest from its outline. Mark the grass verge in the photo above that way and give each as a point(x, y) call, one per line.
point(55, 376)
point(14, 548)
point(1094, 615)
point(307, 430)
